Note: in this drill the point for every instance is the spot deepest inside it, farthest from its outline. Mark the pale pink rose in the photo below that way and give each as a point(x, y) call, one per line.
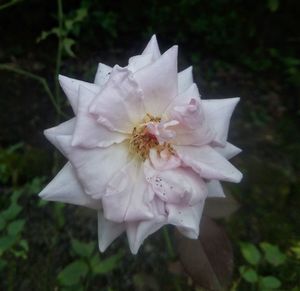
point(144, 150)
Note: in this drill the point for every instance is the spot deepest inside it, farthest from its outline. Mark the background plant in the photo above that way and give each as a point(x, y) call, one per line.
point(237, 48)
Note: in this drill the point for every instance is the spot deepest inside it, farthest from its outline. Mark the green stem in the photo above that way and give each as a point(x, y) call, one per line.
point(60, 17)
point(37, 78)
point(172, 256)
point(168, 242)
point(59, 49)
point(8, 4)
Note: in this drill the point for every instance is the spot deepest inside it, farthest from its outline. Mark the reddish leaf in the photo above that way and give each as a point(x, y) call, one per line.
point(220, 207)
point(209, 259)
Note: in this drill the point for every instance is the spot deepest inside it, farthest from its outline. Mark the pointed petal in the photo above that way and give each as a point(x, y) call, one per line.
point(108, 231)
point(186, 219)
point(138, 62)
point(215, 189)
point(126, 198)
point(102, 75)
point(185, 79)
point(65, 188)
point(94, 167)
point(208, 163)
point(152, 48)
point(229, 151)
point(119, 106)
point(88, 132)
point(218, 113)
point(137, 232)
point(71, 87)
point(159, 82)
point(65, 128)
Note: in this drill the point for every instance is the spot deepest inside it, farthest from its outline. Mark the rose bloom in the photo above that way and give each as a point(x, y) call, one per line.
point(144, 150)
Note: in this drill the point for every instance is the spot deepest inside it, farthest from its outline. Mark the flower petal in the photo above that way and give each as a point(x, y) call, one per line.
point(218, 113)
point(88, 132)
point(178, 185)
point(137, 232)
point(159, 82)
point(185, 79)
point(65, 128)
point(71, 87)
point(186, 218)
point(163, 160)
point(65, 188)
point(119, 106)
point(127, 196)
point(192, 127)
point(208, 163)
point(94, 167)
point(229, 151)
point(215, 189)
point(108, 231)
point(138, 62)
point(102, 75)
point(152, 48)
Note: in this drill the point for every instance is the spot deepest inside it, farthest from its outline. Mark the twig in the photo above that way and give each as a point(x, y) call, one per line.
point(8, 4)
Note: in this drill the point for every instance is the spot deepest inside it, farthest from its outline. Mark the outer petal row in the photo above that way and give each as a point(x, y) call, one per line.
point(68, 192)
point(120, 105)
point(208, 163)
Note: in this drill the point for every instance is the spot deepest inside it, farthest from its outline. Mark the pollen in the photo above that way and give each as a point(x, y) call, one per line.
point(142, 141)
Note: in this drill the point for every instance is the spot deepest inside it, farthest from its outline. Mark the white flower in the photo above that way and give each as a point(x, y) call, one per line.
point(144, 150)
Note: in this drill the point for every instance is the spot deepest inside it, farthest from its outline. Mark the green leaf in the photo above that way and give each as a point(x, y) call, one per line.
point(250, 253)
point(45, 34)
point(273, 5)
point(106, 265)
point(72, 273)
point(6, 242)
point(272, 254)
point(15, 196)
point(81, 13)
point(24, 245)
point(82, 249)
point(15, 227)
point(248, 274)
point(270, 282)
point(11, 212)
point(42, 203)
point(296, 249)
point(67, 44)
point(35, 186)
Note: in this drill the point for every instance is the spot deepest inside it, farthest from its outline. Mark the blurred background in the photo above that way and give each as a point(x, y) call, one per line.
point(237, 48)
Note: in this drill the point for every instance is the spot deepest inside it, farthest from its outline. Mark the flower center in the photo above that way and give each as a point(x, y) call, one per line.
point(142, 140)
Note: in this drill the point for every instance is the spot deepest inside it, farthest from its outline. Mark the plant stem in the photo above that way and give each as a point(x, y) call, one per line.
point(168, 242)
point(8, 4)
point(172, 256)
point(59, 49)
point(60, 17)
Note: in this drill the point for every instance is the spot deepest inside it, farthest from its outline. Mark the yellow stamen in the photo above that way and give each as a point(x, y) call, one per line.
point(142, 141)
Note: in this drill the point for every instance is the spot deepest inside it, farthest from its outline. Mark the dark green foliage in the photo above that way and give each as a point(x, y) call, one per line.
point(238, 48)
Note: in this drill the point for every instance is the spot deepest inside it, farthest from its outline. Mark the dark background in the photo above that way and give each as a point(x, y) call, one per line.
point(237, 48)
